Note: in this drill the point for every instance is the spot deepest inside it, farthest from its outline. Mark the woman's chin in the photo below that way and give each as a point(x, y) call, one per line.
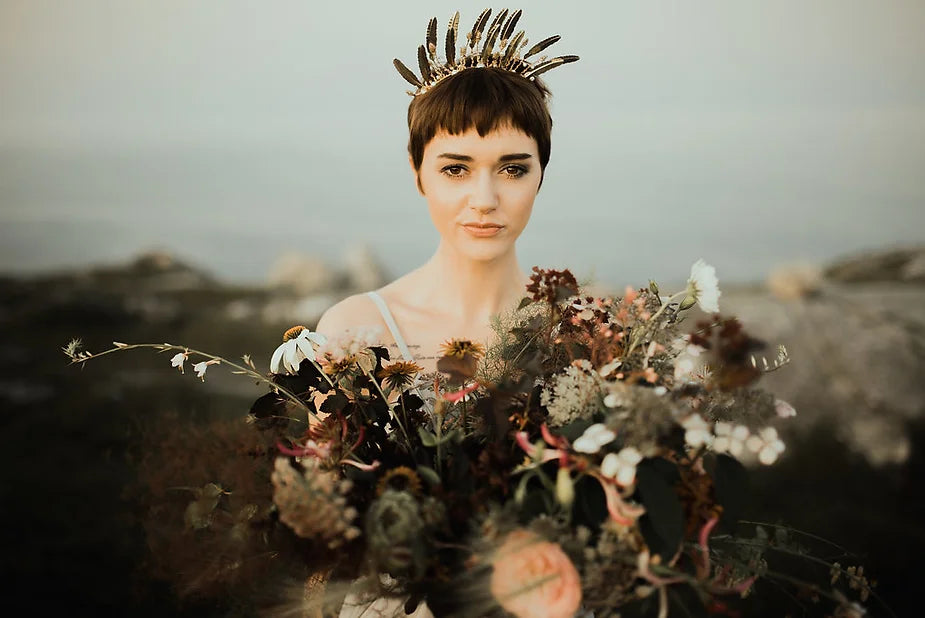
point(482, 251)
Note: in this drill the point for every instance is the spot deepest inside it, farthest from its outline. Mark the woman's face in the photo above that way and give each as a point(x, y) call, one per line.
point(471, 181)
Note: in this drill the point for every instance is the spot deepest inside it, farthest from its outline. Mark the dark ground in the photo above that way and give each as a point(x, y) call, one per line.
point(71, 534)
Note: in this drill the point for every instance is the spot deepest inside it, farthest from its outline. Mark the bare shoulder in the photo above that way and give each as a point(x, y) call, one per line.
point(357, 311)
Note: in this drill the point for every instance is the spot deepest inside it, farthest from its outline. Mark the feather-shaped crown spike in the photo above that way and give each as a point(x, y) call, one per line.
point(477, 29)
point(510, 25)
point(432, 39)
point(452, 31)
point(508, 54)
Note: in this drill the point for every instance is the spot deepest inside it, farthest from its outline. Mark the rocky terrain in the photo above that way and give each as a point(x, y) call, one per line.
point(852, 471)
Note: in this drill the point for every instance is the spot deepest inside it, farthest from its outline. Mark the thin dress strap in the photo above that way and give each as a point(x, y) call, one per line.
point(390, 322)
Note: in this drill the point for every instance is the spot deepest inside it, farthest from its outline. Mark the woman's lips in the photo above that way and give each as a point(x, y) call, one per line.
point(483, 232)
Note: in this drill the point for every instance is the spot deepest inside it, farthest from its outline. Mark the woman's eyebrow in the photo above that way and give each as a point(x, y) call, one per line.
point(519, 156)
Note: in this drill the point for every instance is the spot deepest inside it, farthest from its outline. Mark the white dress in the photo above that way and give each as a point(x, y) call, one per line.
point(354, 606)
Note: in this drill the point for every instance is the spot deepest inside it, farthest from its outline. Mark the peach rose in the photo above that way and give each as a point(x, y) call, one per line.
point(533, 578)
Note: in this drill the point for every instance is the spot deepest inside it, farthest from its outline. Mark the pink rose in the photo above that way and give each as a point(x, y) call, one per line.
point(533, 578)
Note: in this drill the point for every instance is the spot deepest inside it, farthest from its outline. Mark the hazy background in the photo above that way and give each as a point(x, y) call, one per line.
point(229, 131)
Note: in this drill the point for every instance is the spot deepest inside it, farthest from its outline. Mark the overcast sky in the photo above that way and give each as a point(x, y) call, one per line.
point(746, 133)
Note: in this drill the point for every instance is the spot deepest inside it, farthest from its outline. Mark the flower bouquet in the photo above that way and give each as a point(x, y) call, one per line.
point(588, 462)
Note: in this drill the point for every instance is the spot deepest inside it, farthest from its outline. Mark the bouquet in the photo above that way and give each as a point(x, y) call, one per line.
point(589, 461)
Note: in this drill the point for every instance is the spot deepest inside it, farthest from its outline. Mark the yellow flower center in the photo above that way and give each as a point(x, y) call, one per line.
point(401, 478)
point(292, 333)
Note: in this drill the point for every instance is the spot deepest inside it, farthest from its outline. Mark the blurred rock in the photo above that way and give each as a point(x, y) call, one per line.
point(902, 265)
point(857, 357)
point(301, 274)
point(792, 281)
point(160, 271)
point(363, 270)
point(306, 310)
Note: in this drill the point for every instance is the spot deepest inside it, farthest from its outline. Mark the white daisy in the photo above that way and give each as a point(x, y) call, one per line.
point(703, 286)
point(697, 431)
point(767, 445)
point(622, 466)
point(297, 346)
point(730, 438)
point(593, 438)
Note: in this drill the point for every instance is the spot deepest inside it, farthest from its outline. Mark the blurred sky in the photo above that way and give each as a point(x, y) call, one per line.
point(745, 133)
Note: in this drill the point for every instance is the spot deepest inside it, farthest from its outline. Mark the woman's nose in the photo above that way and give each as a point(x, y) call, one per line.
point(484, 197)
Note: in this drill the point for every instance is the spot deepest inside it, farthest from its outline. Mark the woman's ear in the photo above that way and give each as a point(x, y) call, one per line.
point(417, 175)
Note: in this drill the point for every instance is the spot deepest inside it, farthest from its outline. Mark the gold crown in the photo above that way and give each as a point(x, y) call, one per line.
point(507, 56)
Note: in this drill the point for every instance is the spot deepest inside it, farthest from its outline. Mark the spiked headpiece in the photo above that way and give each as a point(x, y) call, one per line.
point(507, 56)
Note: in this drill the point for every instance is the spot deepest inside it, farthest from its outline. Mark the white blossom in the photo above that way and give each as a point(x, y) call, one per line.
point(683, 368)
point(573, 394)
point(292, 352)
point(784, 409)
point(609, 368)
point(767, 445)
point(200, 368)
point(178, 359)
point(622, 466)
point(593, 438)
point(703, 286)
point(697, 431)
point(730, 438)
point(694, 350)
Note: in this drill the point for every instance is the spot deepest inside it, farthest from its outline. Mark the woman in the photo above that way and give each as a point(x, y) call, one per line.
point(479, 144)
point(478, 148)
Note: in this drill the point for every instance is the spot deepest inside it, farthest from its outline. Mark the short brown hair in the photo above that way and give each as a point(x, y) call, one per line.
point(485, 98)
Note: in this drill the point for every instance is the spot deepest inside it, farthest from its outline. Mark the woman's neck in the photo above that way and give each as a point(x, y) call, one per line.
point(470, 291)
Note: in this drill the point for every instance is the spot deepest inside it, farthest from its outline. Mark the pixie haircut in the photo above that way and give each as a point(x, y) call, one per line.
point(486, 98)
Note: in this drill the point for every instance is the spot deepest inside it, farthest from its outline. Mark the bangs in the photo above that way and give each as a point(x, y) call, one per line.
point(485, 99)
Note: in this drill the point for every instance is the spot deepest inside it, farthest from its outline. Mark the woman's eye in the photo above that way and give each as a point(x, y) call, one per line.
point(515, 171)
point(454, 170)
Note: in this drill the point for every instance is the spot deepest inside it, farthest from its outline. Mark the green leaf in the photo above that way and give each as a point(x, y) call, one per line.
point(427, 438)
point(663, 524)
point(524, 302)
point(590, 508)
point(572, 431)
point(429, 475)
point(730, 479)
point(521, 491)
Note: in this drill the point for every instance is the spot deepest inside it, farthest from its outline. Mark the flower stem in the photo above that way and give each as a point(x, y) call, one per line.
point(386, 401)
point(638, 338)
point(165, 347)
